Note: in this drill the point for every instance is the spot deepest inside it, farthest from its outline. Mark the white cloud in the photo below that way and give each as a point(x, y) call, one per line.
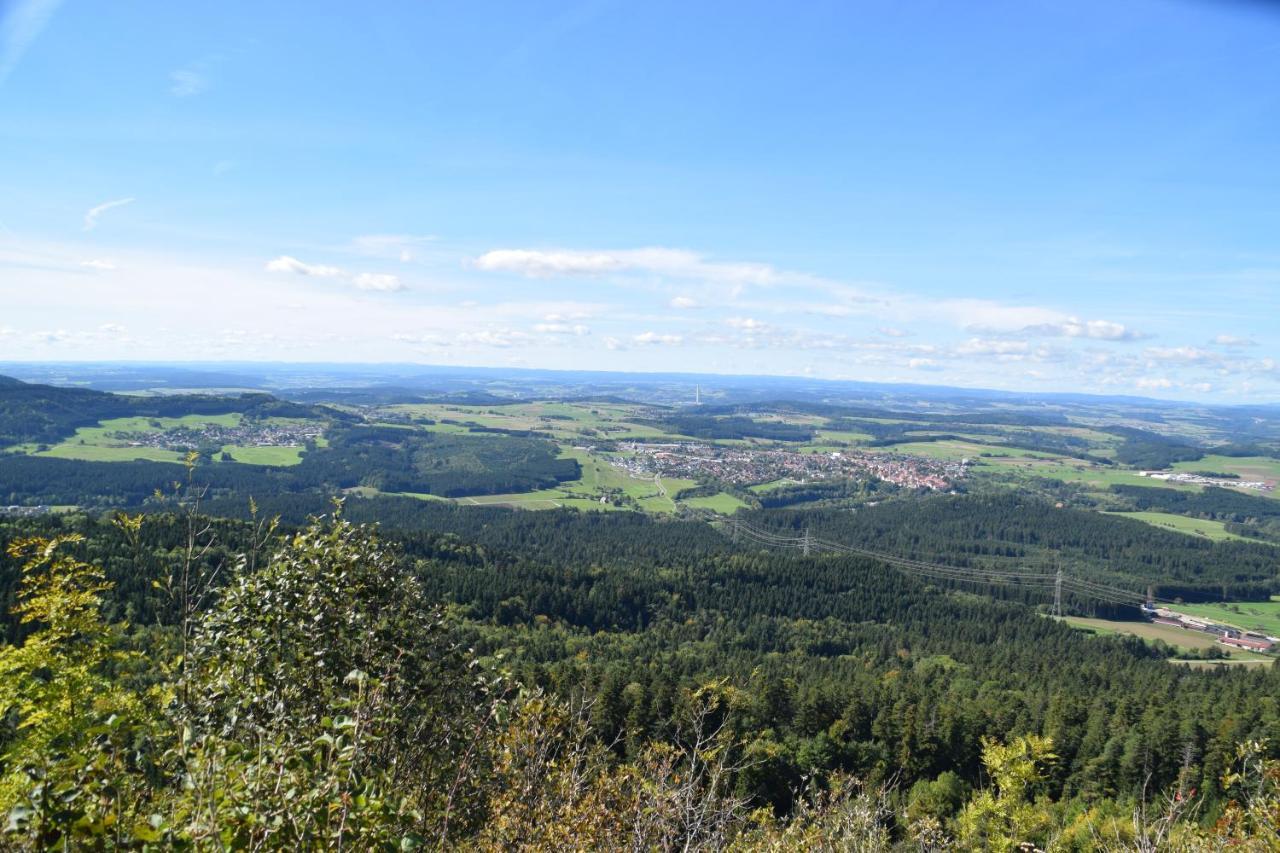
point(981, 316)
point(92, 214)
point(99, 264)
point(891, 332)
point(673, 263)
point(378, 281)
point(499, 338)
point(749, 324)
point(923, 364)
point(684, 302)
point(1233, 341)
point(1098, 330)
point(829, 310)
point(575, 329)
point(564, 316)
point(653, 338)
point(402, 247)
point(1149, 383)
point(287, 264)
point(20, 24)
point(534, 264)
point(56, 336)
point(981, 346)
point(368, 281)
point(1181, 355)
point(185, 82)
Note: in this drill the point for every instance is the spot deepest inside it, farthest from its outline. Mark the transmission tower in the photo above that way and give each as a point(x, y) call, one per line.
point(1057, 592)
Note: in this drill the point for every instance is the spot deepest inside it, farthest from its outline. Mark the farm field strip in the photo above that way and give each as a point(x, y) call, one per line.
point(1249, 615)
point(1204, 528)
point(1176, 637)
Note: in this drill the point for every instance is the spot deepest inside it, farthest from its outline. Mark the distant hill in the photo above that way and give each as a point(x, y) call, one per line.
point(46, 414)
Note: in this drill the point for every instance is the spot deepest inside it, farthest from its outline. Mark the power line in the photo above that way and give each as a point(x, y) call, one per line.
point(1057, 580)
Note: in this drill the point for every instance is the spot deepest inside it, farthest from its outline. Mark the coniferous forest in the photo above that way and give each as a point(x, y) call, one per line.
point(542, 680)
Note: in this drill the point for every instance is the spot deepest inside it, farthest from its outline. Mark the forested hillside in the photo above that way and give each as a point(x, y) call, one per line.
point(43, 414)
point(800, 674)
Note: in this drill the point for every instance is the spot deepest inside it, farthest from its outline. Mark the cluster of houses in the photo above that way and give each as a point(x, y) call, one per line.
point(25, 511)
point(746, 465)
point(1204, 480)
point(245, 434)
point(1227, 635)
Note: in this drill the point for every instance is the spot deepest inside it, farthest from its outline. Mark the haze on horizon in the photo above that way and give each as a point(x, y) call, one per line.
point(1027, 196)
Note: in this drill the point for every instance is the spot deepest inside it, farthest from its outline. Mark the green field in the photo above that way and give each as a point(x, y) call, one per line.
point(1261, 616)
point(1252, 468)
point(96, 453)
point(1095, 477)
point(723, 503)
point(1176, 637)
point(956, 449)
point(1215, 530)
point(97, 444)
point(280, 456)
point(761, 488)
point(570, 422)
point(598, 479)
point(836, 436)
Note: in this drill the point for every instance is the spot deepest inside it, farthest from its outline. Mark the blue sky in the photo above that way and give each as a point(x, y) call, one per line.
point(1030, 195)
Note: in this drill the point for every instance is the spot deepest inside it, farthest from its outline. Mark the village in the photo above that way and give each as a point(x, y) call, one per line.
point(751, 465)
point(245, 434)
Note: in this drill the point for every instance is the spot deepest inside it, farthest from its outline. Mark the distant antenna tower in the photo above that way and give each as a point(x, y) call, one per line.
point(697, 395)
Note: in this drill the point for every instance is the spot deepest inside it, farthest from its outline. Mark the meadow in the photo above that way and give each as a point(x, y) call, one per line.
point(1204, 528)
point(100, 444)
point(1261, 616)
point(1177, 637)
point(278, 456)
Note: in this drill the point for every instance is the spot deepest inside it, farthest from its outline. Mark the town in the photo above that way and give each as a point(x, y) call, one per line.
point(245, 434)
point(751, 465)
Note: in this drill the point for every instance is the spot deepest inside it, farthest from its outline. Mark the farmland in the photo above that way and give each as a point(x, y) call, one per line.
point(602, 437)
point(1179, 638)
point(1263, 616)
point(1248, 468)
point(265, 455)
point(721, 458)
point(105, 442)
point(1204, 528)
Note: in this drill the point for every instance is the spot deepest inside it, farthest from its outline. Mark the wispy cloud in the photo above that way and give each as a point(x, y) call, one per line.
point(673, 263)
point(378, 281)
point(370, 281)
point(1233, 341)
point(20, 24)
point(402, 247)
point(99, 264)
point(1098, 330)
point(288, 264)
point(655, 338)
point(185, 82)
point(92, 214)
